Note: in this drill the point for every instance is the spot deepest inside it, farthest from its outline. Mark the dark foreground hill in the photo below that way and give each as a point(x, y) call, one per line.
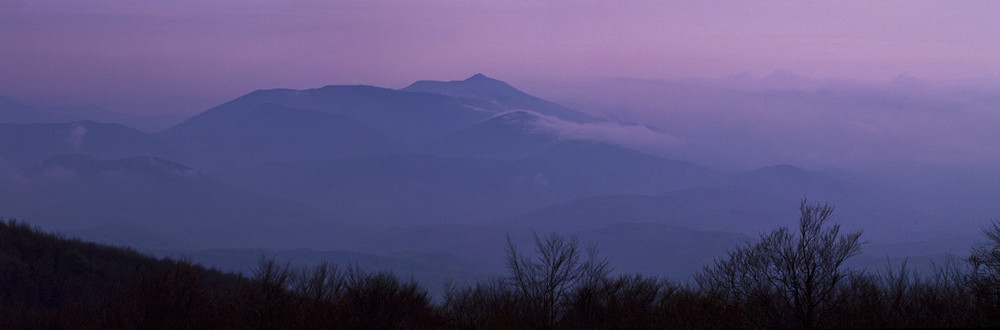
point(50, 282)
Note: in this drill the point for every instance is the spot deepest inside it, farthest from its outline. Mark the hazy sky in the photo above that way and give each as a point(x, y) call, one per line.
point(157, 56)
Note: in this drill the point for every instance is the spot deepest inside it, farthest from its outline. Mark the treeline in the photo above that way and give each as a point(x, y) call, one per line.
point(789, 278)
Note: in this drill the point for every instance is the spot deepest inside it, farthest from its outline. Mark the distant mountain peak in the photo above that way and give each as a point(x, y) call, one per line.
point(479, 76)
point(496, 96)
point(480, 79)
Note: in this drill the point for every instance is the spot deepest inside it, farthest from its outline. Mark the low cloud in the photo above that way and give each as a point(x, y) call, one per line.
point(632, 135)
point(76, 137)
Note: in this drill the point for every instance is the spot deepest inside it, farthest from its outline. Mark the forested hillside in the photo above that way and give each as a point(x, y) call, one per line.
point(48, 281)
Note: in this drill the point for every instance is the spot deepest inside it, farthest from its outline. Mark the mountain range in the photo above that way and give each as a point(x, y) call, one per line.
point(435, 171)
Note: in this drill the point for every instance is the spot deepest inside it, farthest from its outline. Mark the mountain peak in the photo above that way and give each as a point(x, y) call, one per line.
point(495, 96)
point(479, 77)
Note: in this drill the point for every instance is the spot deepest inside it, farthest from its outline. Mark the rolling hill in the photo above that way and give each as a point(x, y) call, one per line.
point(749, 202)
point(12, 111)
point(151, 194)
point(27, 144)
point(422, 189)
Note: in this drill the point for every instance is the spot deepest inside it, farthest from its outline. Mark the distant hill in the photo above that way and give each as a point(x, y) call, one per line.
point(145, 123)
point(79, 191)
point(788, 177)
point(646, 248)
point(399, 190)
point(670, 251)
point(14, 112)
point(422, 189)
point(495, 96)
point(27, 144)
point(596, 168)
point(271, 132)
point(749, 202)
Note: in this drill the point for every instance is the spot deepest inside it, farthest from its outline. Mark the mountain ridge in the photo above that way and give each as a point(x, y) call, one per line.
point(498, 93)
point(71, 192)
point(12, 111)
point(26, 144)
point(404, 116)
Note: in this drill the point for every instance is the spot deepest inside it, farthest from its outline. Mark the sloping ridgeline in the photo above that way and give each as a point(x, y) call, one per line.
point(51, 282)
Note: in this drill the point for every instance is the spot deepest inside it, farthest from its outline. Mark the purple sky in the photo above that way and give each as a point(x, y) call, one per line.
point(186, 56)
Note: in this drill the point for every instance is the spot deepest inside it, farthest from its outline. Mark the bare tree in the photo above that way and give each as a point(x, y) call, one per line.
point(546, 281)
point(985, 256)
point(793, 278)
point(984, 278)
point(325, 282)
